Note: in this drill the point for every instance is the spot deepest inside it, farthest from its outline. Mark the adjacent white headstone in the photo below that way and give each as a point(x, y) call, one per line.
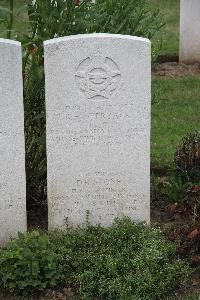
point(98, 128)
point(12, 148)
point(190, 31)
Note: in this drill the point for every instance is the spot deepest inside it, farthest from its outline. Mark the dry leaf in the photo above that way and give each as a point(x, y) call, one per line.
point(193, 234)
point(172, 208)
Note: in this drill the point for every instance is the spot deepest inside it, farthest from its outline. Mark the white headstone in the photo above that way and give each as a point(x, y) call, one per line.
point(12, 148)
point(190, 31)
point(98, 128)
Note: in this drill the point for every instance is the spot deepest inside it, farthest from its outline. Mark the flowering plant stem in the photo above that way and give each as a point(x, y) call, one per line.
point(10, 21)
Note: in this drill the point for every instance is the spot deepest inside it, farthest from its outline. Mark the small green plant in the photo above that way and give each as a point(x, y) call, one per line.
point(27, 264)
point(172, 187)
point(125, 261)
point(176, 189)
point(187, 157)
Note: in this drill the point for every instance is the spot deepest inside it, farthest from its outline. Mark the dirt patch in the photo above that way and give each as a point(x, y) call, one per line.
point(167, 58)
point(173, 69)
point(177, 226)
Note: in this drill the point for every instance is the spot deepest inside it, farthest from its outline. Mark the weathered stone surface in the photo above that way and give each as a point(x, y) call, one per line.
point(98, 128)
point(12, 148)
point(190, 31)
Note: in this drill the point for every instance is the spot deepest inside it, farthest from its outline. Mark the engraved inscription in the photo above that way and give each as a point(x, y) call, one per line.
point(98, 77)
point(106, 125)
point(104, 194)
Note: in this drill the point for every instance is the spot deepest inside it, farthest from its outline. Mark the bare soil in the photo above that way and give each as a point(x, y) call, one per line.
point(173, 69)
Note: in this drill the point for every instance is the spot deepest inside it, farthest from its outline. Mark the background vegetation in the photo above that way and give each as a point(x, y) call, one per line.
point(174, 115)
point(170, 32)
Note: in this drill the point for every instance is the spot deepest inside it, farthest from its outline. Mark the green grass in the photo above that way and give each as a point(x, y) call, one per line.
point(174, 114)
point(170, 32)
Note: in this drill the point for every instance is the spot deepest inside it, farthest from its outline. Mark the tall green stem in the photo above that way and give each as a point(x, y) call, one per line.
point(10, 22)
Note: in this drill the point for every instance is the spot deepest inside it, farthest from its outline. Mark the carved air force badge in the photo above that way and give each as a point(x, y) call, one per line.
point(98, 77)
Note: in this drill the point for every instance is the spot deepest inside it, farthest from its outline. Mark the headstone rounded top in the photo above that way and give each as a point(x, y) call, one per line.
point(97, 35)
point(10, 42)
